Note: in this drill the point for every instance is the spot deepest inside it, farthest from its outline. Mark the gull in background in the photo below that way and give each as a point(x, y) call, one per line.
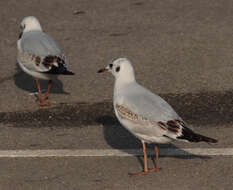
point(39, 55)
point(146, 115)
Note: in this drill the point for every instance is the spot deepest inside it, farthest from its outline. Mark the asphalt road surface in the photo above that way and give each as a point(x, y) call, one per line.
point(181, 50)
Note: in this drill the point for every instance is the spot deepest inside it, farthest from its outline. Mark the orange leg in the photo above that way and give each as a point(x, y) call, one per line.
point(145, 172)
point(39, 90)
point(48, 90)
point(156, 169)
point(43, 102)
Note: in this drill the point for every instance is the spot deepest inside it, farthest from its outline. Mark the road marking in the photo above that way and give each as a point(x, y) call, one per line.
point(114, 152)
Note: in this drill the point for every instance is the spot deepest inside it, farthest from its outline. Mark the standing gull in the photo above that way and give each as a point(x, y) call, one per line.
point(146, 115)
point(39, 55)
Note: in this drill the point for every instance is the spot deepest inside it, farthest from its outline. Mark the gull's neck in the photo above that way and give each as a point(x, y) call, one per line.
point(33, 27)
point(122, 82)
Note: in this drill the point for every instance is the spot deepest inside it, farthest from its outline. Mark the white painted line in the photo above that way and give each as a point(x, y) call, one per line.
point(114, 152)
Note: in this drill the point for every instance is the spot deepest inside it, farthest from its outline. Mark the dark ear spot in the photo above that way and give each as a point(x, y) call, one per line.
point(118, 69)
point(22, 27)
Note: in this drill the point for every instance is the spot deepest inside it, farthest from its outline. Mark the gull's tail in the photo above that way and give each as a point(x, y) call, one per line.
point(57, 65)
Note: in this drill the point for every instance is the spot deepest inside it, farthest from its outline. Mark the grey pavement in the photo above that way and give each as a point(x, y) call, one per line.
point(112, 173)
point(182, 50)
point(175, 46)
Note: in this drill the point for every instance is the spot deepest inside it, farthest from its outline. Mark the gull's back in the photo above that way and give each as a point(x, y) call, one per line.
point(144, 103)
point(39, 44)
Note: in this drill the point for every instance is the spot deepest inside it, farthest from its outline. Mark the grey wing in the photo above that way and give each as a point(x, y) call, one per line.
point(35, 47)
point(149, 105)
point(150, 128)
point(146, 109)
point(39, 44)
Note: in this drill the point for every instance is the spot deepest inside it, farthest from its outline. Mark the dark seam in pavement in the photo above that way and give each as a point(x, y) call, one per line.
point(201, 109)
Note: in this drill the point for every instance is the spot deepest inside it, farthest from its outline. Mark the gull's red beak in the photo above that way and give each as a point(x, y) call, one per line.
point(102, 70)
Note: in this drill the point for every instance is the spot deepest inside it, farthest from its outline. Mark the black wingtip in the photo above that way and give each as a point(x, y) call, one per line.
point(189, 135)
point(68, 73)
point(208, 139)
point(198, 138)
point(56, 69)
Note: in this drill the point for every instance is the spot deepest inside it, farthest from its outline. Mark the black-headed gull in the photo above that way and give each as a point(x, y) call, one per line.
point(146, 115)
point(39, 55)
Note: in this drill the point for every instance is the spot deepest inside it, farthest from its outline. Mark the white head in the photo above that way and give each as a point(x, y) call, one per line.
point(121, 69)
point(30, 23)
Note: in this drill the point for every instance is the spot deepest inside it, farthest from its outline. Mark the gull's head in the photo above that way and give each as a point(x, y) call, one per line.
point(29, 23)
point(121, 69)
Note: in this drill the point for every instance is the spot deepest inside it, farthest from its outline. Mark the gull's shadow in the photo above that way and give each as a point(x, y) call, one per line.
point(24, 81)
point(120, 138)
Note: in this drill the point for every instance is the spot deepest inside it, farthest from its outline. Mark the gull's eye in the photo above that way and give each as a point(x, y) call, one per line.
point(118, 69)
point(110, 65)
